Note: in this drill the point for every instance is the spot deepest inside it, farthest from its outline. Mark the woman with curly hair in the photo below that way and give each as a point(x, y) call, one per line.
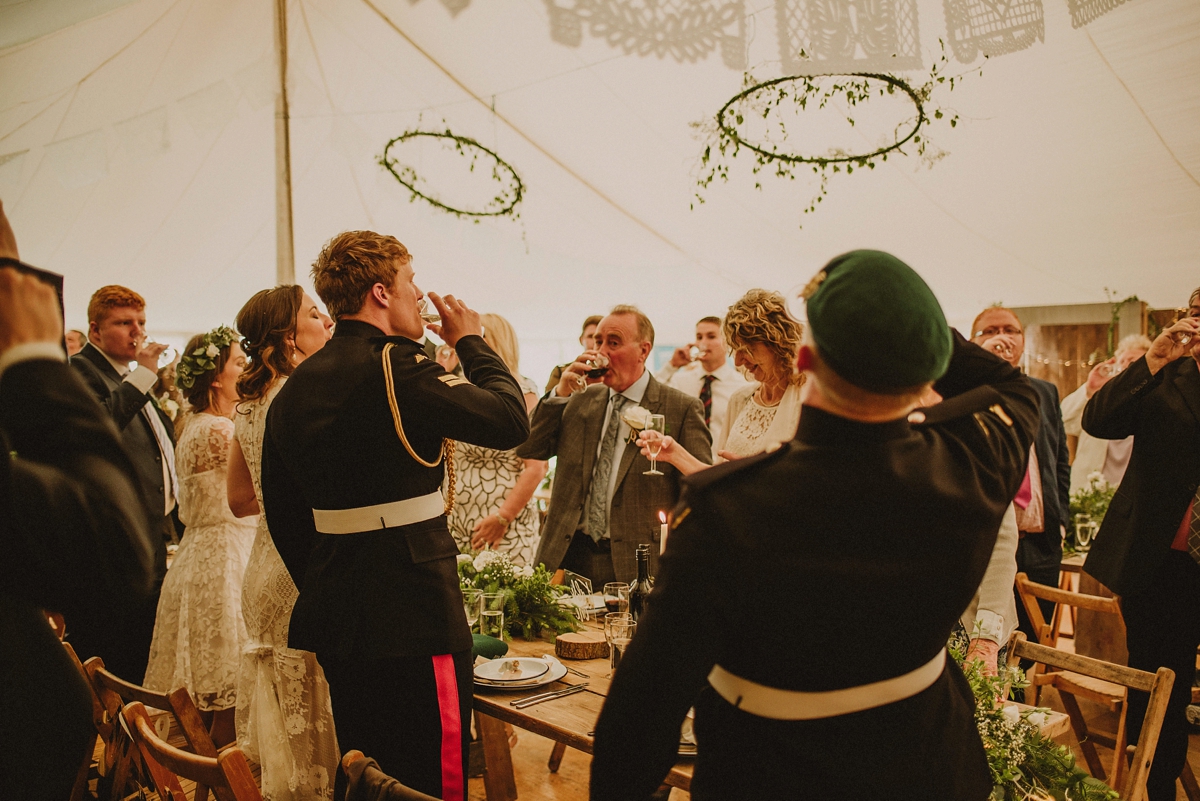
point(764, 339)
point(284, 718)
point(199, 631)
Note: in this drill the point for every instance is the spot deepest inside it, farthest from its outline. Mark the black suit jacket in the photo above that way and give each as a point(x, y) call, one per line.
point(1054, 469)
point(124, 404)
point(843, 558)
point(75, 540)
point(1162, 413)
point(331, 443)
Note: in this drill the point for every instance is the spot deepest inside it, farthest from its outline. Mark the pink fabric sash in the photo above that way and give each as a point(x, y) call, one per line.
point(453, 786)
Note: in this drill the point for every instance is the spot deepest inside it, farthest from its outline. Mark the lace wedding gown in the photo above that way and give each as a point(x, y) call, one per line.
point(284, 718)
point(198, 633)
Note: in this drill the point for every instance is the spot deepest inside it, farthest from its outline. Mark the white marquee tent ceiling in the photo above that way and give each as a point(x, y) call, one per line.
point(137, 147)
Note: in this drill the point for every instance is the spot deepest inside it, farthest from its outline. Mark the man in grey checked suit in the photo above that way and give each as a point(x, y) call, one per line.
point(602, 506)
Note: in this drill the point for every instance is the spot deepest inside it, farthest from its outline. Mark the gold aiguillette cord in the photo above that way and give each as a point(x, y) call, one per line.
point(447, 449)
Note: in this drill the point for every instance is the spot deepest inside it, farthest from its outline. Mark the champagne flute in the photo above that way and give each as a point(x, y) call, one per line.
point(622, 635)
point(655, 430)
point(426, 314)
point(472, 603)
point(612, 625)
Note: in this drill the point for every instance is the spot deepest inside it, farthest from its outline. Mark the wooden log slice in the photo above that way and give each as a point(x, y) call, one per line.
point(581, 645)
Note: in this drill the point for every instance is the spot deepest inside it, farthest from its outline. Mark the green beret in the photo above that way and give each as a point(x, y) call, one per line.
point(876, 323)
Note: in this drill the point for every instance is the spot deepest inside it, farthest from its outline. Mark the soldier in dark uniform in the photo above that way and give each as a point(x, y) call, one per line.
point(806, 596)
point(354, 454)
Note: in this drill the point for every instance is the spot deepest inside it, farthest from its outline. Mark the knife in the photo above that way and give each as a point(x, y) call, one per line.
point(537, 699)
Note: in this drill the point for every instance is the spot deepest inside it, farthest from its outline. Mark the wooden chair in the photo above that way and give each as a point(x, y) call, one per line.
point(365, 780)
point(1071, 685)
point(227, 773)
point(1133, 785)
point(120, 758)
point(87, 759)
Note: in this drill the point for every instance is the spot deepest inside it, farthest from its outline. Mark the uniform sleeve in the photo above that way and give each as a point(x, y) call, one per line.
point(1115, 411)
point(71, 517)
point(487, 408)
point(289, 516)
point(122, 403)
point(666, 665)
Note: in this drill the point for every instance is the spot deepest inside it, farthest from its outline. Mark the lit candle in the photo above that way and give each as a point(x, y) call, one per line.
point(662, 532)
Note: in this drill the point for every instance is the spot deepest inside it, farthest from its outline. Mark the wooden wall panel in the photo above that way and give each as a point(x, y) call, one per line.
point(1064, 354)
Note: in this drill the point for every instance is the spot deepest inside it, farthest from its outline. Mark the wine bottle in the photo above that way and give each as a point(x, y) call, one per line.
point(639, 591)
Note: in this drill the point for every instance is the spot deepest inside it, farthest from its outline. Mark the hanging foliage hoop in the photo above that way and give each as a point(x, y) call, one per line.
point(855, 91)
point(504, 204)
point(848, 92)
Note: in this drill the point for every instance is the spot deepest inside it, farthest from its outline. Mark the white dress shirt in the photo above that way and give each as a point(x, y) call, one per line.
point(690, 379)
point(1092, 455)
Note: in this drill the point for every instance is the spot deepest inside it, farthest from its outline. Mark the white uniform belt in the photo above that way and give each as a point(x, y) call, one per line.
point(381, 515)
point(769, 702)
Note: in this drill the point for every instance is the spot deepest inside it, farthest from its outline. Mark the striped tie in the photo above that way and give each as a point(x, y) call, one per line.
point(706, 398)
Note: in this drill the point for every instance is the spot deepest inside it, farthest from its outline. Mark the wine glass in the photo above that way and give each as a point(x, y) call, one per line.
point(654, 432)
point(427, 315)
point(472, 603)
point(616, 596)
point(696, 352)
point(622, 632)
point(597, 366)
point(614, 623)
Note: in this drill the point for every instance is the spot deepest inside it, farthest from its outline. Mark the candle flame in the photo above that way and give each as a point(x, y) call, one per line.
point(662, 516)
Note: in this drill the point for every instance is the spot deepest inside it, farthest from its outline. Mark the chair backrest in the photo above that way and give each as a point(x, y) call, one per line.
point(81, 778)
point(1157, 684)
point(1030, 591)
point(228, 773)
point(113, 693)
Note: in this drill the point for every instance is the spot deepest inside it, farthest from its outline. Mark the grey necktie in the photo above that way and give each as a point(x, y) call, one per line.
point(597, 505)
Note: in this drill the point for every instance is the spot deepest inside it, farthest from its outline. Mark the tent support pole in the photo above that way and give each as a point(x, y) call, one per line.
point(285, 261)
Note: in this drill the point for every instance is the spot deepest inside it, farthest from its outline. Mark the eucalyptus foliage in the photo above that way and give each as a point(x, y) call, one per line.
point(532, 605)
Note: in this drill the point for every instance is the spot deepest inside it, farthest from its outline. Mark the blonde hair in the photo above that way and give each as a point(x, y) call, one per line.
point(350, 264)
point(1133, 342)
point(499, 333)
point(761, 316)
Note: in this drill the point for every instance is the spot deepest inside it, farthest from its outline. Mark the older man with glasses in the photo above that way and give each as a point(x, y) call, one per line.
point(1043, 501)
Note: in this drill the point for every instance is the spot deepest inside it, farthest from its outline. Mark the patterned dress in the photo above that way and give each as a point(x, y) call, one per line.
point(284, 717)
point(484, 477)
point(199, 631)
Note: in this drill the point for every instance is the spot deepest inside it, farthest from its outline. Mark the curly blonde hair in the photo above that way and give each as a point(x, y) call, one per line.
point(761, 316)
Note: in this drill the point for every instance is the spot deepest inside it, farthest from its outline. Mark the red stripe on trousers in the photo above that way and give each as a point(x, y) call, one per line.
point(447, 693)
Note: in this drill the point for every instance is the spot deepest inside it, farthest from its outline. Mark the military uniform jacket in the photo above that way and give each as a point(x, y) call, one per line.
point(331, 443)
point(1162, 413)
point(842, 558)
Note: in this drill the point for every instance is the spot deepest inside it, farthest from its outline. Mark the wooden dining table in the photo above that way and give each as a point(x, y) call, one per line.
point(569, 720)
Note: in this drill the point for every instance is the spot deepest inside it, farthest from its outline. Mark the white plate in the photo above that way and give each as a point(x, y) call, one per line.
point(555, 671)
point(526, 670)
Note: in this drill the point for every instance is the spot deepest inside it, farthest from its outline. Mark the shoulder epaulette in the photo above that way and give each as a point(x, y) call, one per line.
point(979, 401)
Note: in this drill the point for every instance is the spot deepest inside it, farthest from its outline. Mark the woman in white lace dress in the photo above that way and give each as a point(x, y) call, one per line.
point(284, 718)
point(493, 490)
point(199, 632)
point(764, 339)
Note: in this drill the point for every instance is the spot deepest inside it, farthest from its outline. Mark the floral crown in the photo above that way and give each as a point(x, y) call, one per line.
point(204, 358)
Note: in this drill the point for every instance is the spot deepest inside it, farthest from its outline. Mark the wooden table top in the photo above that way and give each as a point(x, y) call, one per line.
point(569, 720)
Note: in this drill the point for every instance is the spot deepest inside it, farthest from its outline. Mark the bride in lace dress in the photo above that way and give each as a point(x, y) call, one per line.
point(284, 717)
point(765, 339)
point(199, 632)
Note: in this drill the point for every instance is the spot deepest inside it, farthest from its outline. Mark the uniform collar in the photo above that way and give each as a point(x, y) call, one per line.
point(819, 427)
point(357, 328)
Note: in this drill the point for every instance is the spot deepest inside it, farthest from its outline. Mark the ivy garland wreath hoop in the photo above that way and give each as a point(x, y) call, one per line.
point(503, 204)
point(814, 92)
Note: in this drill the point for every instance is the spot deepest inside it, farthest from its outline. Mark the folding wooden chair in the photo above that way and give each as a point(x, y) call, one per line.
point(227, 773)
point(1133, 785)
point(1071, 685)
point(87, 759)
point(120, 757)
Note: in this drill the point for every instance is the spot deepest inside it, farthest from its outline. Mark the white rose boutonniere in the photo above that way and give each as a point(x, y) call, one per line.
point(637, 418)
